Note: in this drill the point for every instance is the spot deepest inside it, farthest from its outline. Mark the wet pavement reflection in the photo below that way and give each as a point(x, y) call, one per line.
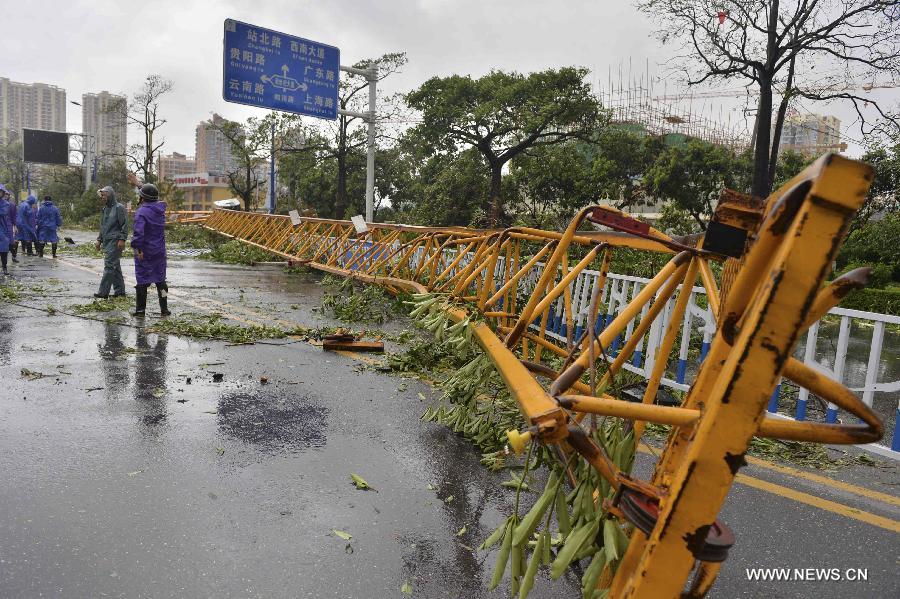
point(6, 340)
point(113, 362)
point(150, 380)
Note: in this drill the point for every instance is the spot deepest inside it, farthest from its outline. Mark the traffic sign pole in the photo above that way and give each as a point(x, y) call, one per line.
point(371, 76)
point(370, 158)
point(272, 174)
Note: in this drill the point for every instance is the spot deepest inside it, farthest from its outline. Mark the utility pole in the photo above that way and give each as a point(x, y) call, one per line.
point(85, 150)
point(371, 75)
point(370, 157)
point(87, 161)
point(272, 173)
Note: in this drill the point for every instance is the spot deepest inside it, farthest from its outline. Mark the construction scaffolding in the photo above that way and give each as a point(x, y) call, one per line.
point(633, 103)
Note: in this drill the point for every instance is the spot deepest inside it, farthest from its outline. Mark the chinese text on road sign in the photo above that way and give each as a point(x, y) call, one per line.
point(269, 69)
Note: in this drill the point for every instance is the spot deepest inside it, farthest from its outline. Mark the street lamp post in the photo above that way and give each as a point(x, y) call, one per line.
point(370, 117)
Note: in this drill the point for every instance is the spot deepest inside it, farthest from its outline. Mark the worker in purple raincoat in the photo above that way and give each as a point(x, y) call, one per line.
point(48, 221)
point(149, 243)
point(25, 221)
point(5, 229)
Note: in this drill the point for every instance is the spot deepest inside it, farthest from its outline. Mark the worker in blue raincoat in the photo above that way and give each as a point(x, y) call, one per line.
point(10, 220)
point(25, 220)
point(48, 221)
point(5, 229)
point(113, 233)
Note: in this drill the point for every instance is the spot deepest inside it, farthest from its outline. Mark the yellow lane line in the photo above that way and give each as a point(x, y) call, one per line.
point(806, 498)
point(816, 478)
point(823, 504)
point(824, 480)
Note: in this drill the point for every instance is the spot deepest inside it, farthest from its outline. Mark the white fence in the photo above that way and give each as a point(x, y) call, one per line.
point(698, 328)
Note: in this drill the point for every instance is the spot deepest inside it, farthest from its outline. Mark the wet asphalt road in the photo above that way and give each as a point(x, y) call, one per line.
point(128, 472)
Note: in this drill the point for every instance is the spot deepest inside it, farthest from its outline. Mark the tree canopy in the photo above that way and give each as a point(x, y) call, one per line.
point(797, 48)
point(503, 114)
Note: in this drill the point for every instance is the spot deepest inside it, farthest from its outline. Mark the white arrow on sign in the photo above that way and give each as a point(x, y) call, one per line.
point(284, 82)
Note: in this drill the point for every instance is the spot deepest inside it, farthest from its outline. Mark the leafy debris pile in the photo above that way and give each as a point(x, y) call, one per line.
point(237, 252)
point(212, 326)
point(103, 305)
point(358, 304)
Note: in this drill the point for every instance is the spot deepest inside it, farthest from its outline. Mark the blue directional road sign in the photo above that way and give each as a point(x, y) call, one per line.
point(274, 70)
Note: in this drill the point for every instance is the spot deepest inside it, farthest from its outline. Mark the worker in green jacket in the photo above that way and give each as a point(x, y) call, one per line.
point(113, 233)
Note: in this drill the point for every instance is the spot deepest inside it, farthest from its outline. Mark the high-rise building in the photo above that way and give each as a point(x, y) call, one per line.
point(175, 165)
point(811, 134)
point(30, 106)
point(103, 120)
point(213, 150)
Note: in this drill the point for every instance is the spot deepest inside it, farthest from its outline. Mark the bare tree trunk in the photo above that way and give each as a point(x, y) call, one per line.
point(761, 184)
point(340, 201)
point(496, 212)
point(779, 124)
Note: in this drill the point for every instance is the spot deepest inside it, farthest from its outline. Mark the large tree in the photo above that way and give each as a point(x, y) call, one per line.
point(346, 138)
point(12, 167)
point(250, 145)
point(143, 113)
point(503, 114)
point(803, 49)
point(884, 194)
point(553, 182)
point(621, 159)
point(692, 175)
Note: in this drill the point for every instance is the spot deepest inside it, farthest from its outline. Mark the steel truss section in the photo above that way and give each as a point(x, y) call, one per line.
point(521, 281)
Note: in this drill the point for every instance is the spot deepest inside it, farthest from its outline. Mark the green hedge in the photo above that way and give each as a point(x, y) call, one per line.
point(885, 301)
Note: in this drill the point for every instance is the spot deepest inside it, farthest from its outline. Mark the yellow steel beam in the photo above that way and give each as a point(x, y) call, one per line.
point(776, 293)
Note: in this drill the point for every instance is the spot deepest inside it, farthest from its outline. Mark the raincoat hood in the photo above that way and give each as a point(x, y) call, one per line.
point(155, 212)
point(111, 198)
point(31, 200)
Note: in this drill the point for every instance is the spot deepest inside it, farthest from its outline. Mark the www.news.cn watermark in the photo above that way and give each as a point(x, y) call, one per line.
point(807, 574)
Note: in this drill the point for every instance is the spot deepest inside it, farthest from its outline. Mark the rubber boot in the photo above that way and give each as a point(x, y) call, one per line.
point(14, 249)
point(28, 249)
point(40, 249)
point(53, 248)
point(140, 299)
point(162, 291)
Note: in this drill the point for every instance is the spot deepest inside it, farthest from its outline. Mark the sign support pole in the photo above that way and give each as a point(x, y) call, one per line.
point(371, 76)
point(272, 174)
point(87, 162)
point(370, 158)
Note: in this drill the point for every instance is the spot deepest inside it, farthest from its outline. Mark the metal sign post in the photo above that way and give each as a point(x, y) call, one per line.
point(371, 76)
point(272, 173)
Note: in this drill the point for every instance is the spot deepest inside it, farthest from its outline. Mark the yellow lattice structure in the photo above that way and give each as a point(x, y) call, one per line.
point(775, 292)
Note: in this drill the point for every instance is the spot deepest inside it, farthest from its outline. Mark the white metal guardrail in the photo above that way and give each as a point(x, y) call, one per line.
point(698, 328)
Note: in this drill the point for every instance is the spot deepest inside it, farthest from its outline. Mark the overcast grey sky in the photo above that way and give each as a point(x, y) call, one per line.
point(88, 46)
